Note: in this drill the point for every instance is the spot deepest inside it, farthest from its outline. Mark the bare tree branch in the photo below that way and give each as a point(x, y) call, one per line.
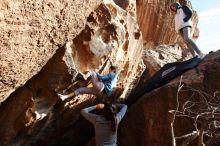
point(200, 140)
point(203, 109)
point(189, 139)
point(174, 116)
point(187, 135)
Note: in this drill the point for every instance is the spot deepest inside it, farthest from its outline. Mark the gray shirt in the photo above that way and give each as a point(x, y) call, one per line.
point(103, 133)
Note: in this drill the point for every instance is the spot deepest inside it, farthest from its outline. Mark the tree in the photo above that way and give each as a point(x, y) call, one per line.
point(204, 110)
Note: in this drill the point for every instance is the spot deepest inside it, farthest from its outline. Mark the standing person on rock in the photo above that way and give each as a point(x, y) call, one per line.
point(100, 84)
point(183, 24)
point(106, 122)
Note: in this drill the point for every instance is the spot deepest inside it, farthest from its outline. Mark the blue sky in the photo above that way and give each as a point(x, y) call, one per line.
point(209, 21)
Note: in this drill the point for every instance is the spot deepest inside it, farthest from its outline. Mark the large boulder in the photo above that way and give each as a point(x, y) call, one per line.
point(147, 122)
point(31, 32)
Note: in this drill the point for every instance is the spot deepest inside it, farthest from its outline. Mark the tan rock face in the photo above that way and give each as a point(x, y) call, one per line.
point(163, 54)
point(29, 104)
point(156, 22)
point(31, 32)
point(155, 58)
point(147, 122)
point(109, 31)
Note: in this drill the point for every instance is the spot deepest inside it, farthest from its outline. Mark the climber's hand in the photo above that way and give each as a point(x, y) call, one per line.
point(100, 106)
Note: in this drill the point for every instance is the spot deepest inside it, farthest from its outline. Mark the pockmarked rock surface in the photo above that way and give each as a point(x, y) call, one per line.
point(110, 32)
point(31, 32)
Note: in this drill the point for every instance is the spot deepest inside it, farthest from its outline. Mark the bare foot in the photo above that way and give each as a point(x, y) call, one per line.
point(62, 97)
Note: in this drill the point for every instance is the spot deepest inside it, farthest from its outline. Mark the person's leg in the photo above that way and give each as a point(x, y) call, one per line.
point(189, 42)
point(98, 86)
point(185, 50)
point(63, 97)
point(82, 90)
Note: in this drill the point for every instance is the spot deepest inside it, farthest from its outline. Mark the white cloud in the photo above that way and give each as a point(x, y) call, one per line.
point(209, 21)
